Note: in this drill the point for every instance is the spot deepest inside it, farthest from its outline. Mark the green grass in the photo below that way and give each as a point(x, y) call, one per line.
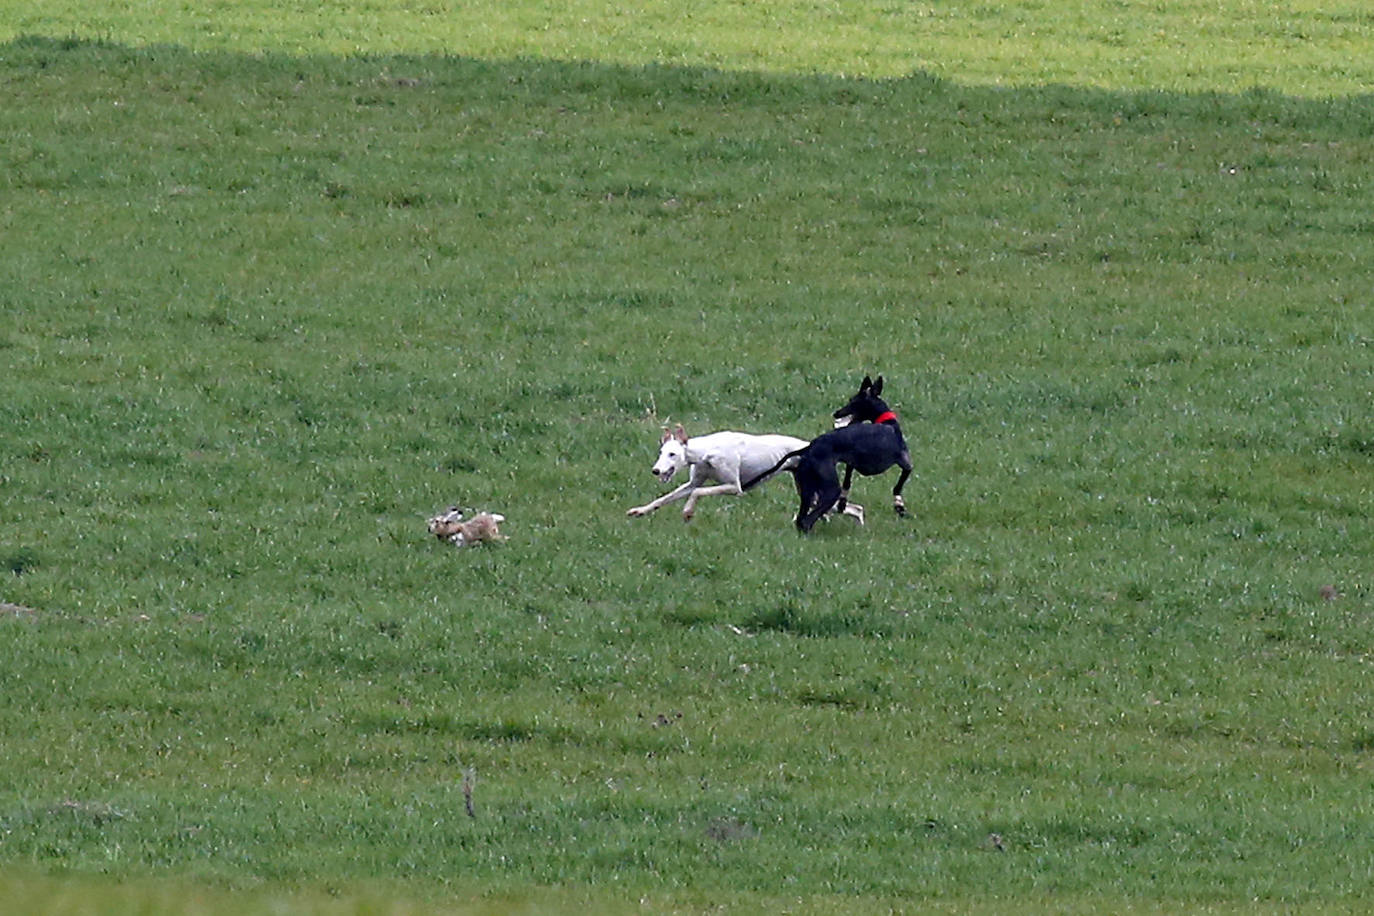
point(1309, 47)
point(270, 301)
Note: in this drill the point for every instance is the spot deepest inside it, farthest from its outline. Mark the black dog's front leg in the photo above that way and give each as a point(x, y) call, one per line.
point(897, 502)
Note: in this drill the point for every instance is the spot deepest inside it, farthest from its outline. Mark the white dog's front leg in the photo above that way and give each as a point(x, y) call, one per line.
point(696, 477)
point(663, 500)
point(733, 489)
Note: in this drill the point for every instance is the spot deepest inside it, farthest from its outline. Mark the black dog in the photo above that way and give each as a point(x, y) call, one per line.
point(870, 446)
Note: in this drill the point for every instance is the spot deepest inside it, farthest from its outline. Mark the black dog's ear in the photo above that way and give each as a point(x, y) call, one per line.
point(878, 386)
point(866, 384)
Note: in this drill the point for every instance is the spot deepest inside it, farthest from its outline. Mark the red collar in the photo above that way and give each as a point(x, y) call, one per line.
point(885, 417)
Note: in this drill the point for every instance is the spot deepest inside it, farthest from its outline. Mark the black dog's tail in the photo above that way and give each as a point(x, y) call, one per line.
point(755, 481)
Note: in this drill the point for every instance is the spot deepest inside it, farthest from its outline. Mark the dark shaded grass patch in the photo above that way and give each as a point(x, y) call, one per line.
point(20, 561)
point(786, 618)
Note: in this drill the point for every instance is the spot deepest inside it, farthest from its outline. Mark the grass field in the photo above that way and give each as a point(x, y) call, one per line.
point(278, 284)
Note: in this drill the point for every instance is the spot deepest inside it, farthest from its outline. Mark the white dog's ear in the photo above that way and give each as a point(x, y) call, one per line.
point(667, 434)
point(680, 434)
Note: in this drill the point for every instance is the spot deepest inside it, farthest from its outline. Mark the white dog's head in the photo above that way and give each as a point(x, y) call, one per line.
point(672, 454)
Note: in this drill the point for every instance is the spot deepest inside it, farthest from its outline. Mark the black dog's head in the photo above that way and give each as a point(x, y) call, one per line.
point(864, 407)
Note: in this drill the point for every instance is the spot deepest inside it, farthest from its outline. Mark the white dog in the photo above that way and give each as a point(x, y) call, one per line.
point(726, 458)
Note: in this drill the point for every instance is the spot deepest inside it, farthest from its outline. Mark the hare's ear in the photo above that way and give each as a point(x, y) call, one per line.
point(680, 434)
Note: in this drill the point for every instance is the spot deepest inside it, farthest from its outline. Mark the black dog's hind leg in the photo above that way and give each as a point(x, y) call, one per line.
point(806, 492)
point(844, 490)
point(824, 488)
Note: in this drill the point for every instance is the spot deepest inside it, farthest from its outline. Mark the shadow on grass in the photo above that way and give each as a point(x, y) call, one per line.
point(392, 79)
